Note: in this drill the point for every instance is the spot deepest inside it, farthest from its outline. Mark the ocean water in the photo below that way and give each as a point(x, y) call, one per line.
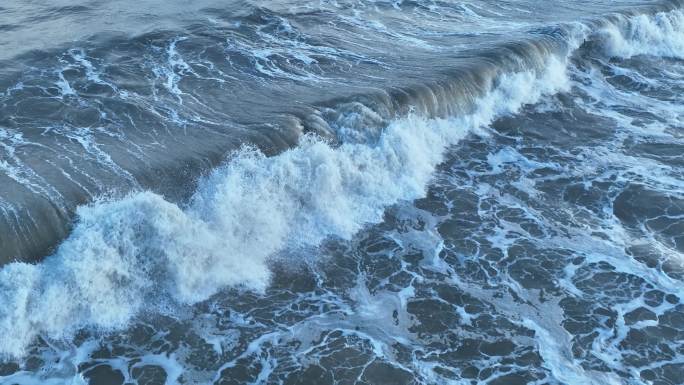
point(342, 192)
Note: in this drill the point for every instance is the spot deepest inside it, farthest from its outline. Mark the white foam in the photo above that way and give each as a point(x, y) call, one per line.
point(661, 34)
point(557, 357)
point(171, 367)
point(144, 252)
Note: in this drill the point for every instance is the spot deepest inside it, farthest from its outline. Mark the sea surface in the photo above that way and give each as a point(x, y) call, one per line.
point(342, 192)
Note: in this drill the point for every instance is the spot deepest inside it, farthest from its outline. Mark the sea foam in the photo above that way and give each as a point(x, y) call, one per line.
point(144, 252)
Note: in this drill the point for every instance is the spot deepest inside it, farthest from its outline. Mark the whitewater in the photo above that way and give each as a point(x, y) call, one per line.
point(500, 198)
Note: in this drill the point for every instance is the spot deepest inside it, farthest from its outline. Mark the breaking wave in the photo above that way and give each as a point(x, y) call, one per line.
point(145, 253)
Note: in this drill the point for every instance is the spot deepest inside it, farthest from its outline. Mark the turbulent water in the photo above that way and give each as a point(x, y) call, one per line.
point(349, 192)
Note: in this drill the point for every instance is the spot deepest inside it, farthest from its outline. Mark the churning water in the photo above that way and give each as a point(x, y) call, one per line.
point(342, 192)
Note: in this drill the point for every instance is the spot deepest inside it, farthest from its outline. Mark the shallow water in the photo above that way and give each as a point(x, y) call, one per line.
point(502, 203)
